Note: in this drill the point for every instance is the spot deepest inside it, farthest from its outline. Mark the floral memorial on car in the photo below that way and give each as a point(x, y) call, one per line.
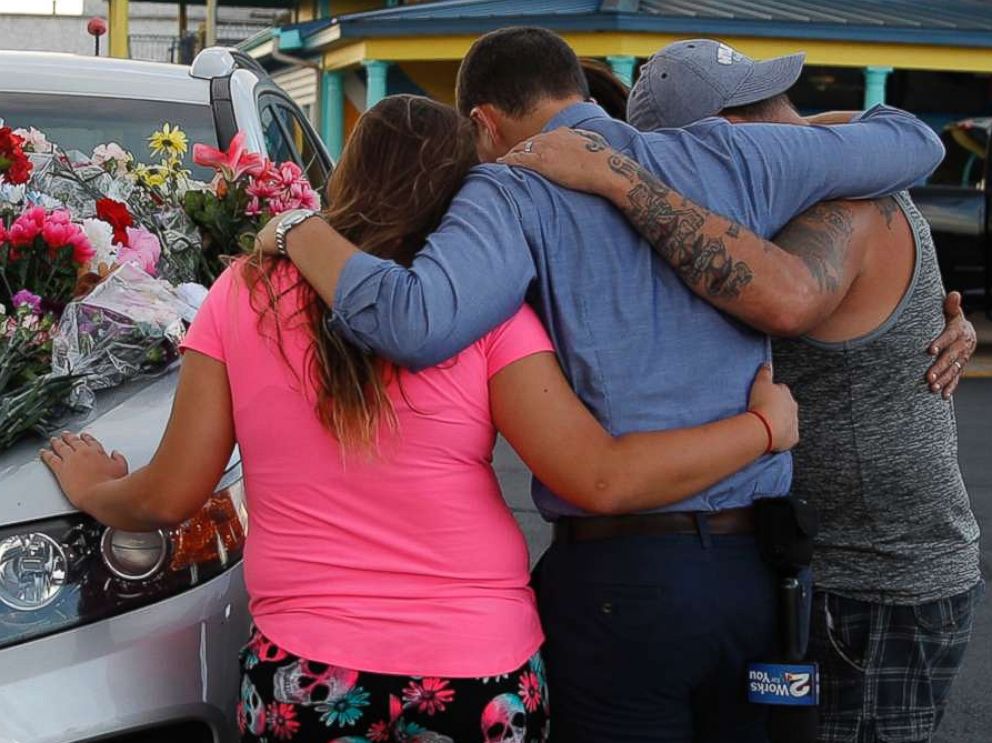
point(104, 259)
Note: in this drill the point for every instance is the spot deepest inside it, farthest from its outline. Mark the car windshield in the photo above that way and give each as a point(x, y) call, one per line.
point(83, 122)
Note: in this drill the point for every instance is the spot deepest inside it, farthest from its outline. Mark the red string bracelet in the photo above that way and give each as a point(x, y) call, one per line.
point(768, 429)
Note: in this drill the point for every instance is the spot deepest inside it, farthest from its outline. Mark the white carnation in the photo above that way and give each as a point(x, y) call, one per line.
point(101, 237)
point(111, 156)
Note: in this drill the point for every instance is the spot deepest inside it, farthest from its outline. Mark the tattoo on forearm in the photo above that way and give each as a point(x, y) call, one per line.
point(675, 228)
point(595, 142)
point(820, 237)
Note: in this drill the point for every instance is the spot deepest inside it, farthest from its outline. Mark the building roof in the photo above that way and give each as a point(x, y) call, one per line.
point(948, 23)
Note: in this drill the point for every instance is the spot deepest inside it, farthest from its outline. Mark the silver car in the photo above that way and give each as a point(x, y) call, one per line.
point(104, 634)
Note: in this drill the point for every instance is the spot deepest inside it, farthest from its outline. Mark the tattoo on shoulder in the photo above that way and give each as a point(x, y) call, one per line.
point(821, 237)
point(675, 228)
point(888, 208)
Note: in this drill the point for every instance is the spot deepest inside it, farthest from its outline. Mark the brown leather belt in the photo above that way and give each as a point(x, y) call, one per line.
point(591, 528)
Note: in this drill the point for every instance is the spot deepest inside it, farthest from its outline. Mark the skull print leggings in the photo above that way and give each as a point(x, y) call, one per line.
point(287, 698)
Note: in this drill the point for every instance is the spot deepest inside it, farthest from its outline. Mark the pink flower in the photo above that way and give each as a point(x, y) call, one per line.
point(530, 691)
point(82, 249)
point(281, 719)
point(280, 188)
point(142, 248)
point(234, 163)
point(430, 696)
point(27, 227)
point(379, 732)
point(263, 186)
point(24, 298)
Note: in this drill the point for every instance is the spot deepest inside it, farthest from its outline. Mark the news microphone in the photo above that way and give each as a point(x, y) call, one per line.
point(790, 688)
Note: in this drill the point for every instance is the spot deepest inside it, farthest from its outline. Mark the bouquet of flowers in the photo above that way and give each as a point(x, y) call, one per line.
point(30, 396)
point(66, 223)
point(246, 192)
point(97, 253)
point(42, 255)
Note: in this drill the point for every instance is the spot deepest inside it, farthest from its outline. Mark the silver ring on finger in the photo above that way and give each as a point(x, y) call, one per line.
point(958, 365)
point(529, 146)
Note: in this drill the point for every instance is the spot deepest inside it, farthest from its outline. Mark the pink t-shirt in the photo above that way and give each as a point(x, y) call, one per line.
point(407, 563)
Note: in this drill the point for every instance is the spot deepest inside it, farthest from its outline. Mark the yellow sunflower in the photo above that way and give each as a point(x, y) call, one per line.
point(151, 176)
point(170, 141)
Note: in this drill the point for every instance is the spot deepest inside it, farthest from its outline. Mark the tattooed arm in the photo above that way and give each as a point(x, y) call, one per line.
point(783, 288)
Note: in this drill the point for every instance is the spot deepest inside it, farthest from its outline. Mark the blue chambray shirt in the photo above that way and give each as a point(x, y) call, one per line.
point(641, 350)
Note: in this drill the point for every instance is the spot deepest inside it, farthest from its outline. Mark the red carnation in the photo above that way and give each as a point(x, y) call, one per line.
point(14, 164)
point(117, 216)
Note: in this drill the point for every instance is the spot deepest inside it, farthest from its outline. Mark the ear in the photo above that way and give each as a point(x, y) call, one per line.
point(488, 119)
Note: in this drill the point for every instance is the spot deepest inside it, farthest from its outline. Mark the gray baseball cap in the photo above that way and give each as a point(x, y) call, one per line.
point(690, 80)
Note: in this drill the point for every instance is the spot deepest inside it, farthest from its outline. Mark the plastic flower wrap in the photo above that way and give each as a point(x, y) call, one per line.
point(130, 324)
point(31, 397)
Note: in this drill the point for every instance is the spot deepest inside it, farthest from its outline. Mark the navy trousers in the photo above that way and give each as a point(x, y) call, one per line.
point(648, 638)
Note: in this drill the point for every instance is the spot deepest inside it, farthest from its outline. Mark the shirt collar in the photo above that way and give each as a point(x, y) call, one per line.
point(575, 115)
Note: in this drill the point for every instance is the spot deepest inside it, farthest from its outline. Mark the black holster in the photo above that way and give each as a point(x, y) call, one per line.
point(785, 528)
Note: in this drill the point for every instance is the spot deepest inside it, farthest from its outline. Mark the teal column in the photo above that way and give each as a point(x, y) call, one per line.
point(623, 67)
point(323, 8)
point(375, 81)
point(332, 111)
point(875, 78)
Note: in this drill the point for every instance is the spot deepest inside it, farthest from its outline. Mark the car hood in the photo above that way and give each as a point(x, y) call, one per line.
point(130, 418)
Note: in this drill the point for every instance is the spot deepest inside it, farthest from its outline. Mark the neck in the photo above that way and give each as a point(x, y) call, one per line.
point(534, 121)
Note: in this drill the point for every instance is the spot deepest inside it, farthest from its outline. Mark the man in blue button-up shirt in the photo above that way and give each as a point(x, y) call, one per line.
point(647, 635)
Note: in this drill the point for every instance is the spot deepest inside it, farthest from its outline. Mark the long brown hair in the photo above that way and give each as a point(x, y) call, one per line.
point(405, 161)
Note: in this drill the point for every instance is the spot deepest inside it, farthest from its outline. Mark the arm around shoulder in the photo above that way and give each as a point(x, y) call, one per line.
point(567, 448)
point(471, 274)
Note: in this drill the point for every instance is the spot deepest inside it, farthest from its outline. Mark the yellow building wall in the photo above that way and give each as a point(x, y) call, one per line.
point(343, 7)
point(436, 79)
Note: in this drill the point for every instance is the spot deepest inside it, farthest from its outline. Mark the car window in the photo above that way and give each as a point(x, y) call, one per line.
point(305, 146)
point(967, 145)
point(277, 145)
point(83, 122)
point(287, 137)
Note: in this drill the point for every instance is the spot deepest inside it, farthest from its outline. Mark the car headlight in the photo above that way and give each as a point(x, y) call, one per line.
point(64, 572)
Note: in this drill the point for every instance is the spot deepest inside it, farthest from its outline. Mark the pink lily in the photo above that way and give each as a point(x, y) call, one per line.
point(234, 163)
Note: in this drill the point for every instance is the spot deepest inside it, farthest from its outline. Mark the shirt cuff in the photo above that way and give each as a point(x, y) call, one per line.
point(357, 290)
point(878, 108)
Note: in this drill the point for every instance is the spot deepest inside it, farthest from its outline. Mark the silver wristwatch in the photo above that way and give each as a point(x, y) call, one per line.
point(288, 222)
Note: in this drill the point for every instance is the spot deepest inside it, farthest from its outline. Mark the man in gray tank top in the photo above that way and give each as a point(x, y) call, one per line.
point(896, 563)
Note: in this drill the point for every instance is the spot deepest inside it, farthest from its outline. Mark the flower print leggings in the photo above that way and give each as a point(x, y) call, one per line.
point(287, 698)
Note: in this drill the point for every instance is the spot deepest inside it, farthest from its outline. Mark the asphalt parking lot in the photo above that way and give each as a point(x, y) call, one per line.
point(969, 717)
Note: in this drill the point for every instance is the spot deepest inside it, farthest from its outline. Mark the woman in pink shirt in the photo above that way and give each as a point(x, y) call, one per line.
point(388, 580)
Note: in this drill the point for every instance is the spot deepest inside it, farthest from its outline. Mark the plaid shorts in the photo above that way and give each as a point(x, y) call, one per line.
point(886, 671)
